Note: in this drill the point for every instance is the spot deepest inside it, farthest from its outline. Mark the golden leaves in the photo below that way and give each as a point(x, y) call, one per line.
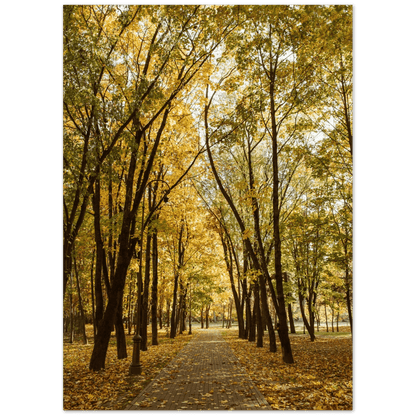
point(112, 388)
point(320, 378)
point(247, 233)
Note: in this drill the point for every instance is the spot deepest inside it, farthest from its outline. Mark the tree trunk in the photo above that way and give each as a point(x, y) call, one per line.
point(92, 295)
point(105, 326)
point(326, 319)
point(227, 249)
point(260, 248)
point(246, 294)
point(179, 320)
point(71, 314)
point(207, 308)
point(348, 298)
point(318, 319)
point(172, 318)
point(81, 309)
point(120, 334)
point(167, 313)
point(309, 325)
point(337, 317)
point(289, 308)
point(154, 289)
point(175, 287)
point(145, 298)
point(160, 314)
point(283, 329)
point(311, 318)
point(190, 310)
point(247, 241)
point(248, 317)
point(99, 302)
point(129, 311)
point(258, 315)
point(263, 294)
point(263, 318)
point(244, 309)
point(291, 320)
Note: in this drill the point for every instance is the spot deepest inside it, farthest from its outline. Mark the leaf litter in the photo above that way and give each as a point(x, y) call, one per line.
point(112, 388)
point(320, 378)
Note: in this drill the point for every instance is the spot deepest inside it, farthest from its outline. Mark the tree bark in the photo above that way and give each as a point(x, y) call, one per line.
point(289, 308)
point(120, 334)
point(283, 329)
point(99, 302)
point(207, 308)
point(258, 316)
point(129, 312)
point(145, 298)
point(167, 312)
point(253, 319)
point(309, 325)
point(172, 318)
point(154, 288)
point(229, 263)
point(247, 242)
point(105, 326)
point(94, 325)
point(71, 313)
point(181, 250)
point(348, 298)
point(326, 319)
point(81, 309)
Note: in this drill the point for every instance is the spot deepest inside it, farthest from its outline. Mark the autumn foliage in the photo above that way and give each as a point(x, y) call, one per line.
point(113, 388)
point(207, 176)
point(320, 378)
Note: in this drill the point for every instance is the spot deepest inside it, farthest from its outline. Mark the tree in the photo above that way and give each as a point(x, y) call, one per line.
point(207, 157)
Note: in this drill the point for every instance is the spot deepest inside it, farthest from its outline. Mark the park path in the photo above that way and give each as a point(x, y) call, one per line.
point(205, 375)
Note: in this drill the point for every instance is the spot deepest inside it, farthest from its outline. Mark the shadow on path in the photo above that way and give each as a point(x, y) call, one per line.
point(205, 375)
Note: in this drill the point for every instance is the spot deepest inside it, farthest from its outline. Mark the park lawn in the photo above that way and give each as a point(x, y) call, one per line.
point(320, 378)
point(112, 388)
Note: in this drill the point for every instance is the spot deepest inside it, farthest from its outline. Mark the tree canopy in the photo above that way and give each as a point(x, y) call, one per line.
point(207, 162)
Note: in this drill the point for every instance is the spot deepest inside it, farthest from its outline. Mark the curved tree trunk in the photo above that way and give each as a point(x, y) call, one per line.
point(309, 325)
point(105, 326)
point(247, 242)
point(229, 263)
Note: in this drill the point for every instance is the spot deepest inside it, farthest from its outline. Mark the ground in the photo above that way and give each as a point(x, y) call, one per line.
point(112, 388)
point(321, 377)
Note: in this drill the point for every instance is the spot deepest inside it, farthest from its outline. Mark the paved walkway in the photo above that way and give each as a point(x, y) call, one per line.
point(205, 375)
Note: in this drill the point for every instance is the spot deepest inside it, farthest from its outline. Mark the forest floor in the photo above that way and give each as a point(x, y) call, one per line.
point(112, 388)
point(320, 378)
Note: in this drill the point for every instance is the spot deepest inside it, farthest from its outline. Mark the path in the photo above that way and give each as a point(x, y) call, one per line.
point(205, 375)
